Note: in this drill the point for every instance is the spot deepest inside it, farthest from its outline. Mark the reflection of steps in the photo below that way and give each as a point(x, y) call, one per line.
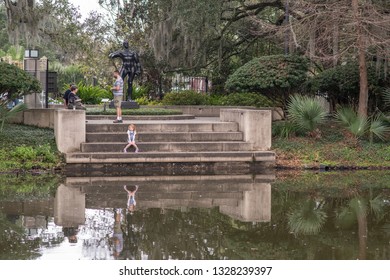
point(241, 197)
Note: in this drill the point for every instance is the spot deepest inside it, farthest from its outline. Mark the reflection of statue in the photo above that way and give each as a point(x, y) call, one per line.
point(117, 237)
point(130, 66)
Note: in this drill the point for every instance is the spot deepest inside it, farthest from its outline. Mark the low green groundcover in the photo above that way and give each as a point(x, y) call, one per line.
point(26, 147)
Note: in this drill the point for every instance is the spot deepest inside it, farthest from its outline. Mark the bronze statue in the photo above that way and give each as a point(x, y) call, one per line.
point(130, 66)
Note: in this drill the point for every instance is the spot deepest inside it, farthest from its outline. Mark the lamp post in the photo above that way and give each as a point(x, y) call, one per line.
point(31, 56)
point(30, 65)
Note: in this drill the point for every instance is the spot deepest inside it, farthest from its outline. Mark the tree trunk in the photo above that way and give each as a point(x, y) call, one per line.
point(312, 39)
point(363, 93)
point(336, 35)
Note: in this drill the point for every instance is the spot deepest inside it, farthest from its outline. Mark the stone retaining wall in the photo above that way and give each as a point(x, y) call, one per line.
point(256, 125)
point(36, 117)
point(69, 130)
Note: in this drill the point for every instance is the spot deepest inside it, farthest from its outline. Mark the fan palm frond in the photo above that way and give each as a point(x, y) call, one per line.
point(346, 116)
point(306, 112)
point(379, 128)
point(6, 114)
point(386, 96)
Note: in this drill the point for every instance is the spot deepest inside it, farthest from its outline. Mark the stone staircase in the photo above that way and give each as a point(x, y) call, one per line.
point(167, 146)
point(167, 137)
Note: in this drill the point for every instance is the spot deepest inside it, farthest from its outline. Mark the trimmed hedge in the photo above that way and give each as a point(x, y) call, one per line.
point(189, 97)
point(186, 97)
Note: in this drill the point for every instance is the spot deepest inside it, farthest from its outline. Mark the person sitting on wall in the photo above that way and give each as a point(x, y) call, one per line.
point(74, 102)
point(66, 96)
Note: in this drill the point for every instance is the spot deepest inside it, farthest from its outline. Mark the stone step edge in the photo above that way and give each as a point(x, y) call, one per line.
point(169, 179)
point(263, 156)
point(166, 122)
point(162, 133)
point(142, 117)
point(170, 142)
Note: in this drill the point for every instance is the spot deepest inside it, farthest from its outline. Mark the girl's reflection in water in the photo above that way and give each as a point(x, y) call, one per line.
point(131, 198)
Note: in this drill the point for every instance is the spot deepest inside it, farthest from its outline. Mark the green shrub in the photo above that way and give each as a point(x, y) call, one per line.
point(275, 76)
point(16, 82)
point(242, 99)
point(24, 153)
point(46, 154)
point(92, 94)
point(142, 100)
point(284, 129)
point(139, 92)
point(186, 97)
point(342, 83)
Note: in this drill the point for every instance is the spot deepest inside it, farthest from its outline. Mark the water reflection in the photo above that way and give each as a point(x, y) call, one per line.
point(203, 217)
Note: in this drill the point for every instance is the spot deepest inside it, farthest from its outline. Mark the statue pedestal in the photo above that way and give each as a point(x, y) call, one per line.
point(125, 105)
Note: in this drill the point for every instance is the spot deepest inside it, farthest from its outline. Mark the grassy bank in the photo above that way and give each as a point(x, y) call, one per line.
point(28, 148)
point(335, 149)
point(31, 148)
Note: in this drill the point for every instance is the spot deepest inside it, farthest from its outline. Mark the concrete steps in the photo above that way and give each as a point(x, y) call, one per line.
point(98, 137)
point(171, 157)
point(141, 117)
point(161, 126)
point(169, 147)
point(167, 136)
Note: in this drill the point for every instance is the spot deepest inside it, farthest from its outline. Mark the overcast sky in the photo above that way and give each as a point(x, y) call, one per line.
point(87, 6)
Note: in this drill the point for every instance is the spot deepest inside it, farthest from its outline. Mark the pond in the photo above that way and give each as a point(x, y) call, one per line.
point(282, 216)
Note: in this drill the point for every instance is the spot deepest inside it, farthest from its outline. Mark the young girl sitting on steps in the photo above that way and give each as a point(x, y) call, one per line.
point(131, 132)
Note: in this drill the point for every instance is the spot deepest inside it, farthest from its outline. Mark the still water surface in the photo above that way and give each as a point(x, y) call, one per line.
point(287, 216)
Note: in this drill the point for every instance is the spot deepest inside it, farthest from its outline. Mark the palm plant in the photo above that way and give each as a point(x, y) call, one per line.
point(378, 128)
point(357, 125)
point(386, 96)
point(306, 113)
point(92, 94)
point(6, 114)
